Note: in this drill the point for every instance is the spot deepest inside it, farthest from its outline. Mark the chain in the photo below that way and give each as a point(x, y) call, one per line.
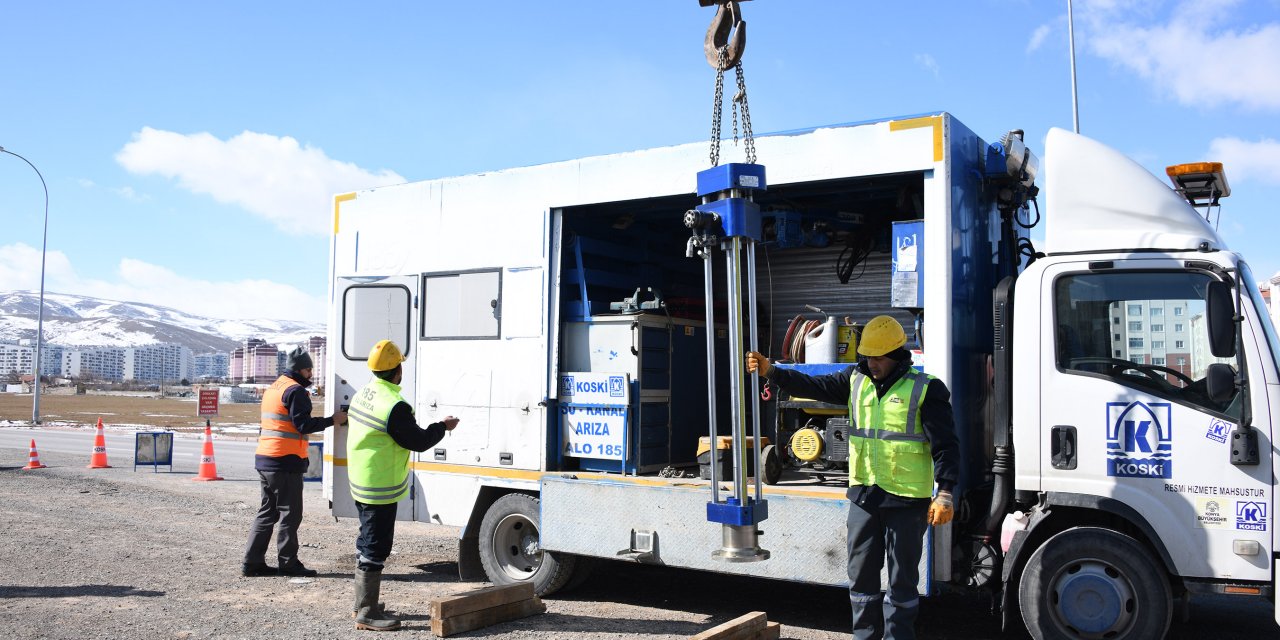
point(739, 102)
point(747, 135)
point(717, 108)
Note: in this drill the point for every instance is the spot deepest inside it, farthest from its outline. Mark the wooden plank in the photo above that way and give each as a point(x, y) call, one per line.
point(478, 599)
point(741, 628)
point(444, 627)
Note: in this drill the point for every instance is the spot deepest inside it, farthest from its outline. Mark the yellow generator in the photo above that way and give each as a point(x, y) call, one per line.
point(813, 435)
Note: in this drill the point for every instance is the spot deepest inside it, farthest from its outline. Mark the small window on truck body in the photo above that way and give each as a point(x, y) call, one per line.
point(462, 305)
point(371, 313)
point(1084, 304)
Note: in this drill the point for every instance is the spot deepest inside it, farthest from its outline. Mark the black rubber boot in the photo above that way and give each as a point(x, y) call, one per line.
point(370, 615)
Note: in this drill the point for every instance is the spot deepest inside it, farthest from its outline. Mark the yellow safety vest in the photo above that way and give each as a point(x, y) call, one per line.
point(887, 443)
point(377, 467)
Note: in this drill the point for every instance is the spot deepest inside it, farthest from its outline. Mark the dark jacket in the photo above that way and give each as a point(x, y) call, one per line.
point(298, 401)
point(935, 412)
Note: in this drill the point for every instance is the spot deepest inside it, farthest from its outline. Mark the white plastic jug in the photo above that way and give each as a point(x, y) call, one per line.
point(820, 343)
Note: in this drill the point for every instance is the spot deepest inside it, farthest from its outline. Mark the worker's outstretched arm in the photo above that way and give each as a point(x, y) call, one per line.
point(832, 388)
point(404, 429)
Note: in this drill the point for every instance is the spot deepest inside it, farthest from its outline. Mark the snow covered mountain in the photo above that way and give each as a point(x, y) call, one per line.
point(72, 320)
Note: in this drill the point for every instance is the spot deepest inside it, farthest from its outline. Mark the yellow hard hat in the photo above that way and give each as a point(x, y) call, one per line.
point(384, 356)
point(882, 335)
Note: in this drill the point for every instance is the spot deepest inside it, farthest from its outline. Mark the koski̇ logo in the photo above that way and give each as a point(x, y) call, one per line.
point(1251, 516)
point(1218, 431)
point(1139, 440)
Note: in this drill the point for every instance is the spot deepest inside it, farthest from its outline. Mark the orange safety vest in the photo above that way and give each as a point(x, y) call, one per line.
point(278, 437)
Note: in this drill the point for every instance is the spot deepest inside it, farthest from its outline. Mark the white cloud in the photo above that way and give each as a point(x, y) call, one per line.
point(128, 193)
point(1038, 36)
point(1246, 161)
point(138, 281)
point(274, 177)
point(1190, 55)
point(85, 183)
point(925, 60)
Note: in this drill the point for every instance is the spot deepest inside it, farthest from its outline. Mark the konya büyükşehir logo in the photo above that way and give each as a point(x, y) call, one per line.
point(1139, 440)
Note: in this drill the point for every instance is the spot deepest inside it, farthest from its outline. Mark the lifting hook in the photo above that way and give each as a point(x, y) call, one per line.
point(728, 19)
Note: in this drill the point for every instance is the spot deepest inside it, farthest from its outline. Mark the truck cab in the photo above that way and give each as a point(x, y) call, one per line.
point(1142, 381)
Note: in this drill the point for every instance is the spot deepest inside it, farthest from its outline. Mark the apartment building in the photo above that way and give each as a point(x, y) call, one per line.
point(16, 359)
point(256, 362)
point(163, 362)
point(211, 366)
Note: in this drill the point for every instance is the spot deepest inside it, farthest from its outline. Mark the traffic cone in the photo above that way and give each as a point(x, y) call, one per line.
point(33, 458)
point(208, 468)
point(99, 458)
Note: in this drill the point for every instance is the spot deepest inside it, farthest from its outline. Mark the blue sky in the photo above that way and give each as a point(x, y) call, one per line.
point(191, 149)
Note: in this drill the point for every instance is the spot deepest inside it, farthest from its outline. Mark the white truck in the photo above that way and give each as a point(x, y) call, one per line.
point(1112, 397)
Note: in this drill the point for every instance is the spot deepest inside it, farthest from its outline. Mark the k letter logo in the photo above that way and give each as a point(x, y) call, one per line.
point(1139, 440)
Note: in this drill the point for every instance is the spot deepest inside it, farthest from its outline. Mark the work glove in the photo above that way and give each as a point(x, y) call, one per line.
point(941, 509)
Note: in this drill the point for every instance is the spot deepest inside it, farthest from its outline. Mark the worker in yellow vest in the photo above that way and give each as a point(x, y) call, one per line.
point(281, 460)
point(383, 431)
point(901, 442)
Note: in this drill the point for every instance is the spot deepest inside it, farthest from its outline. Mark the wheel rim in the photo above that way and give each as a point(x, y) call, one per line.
point(1092, 598)
point(516, 548)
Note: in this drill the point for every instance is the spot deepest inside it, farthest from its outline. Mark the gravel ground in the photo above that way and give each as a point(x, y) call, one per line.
point(110, 553)
point(115, 554)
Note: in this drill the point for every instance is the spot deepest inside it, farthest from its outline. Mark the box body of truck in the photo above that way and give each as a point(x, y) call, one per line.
point(518, 298)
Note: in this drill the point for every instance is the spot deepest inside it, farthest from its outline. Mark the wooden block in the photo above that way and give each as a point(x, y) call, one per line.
point(772, 631)
point(444, 627)
point(478, 599)
point(740, 628)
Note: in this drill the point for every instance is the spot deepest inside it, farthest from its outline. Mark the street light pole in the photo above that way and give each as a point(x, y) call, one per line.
point(44, 246)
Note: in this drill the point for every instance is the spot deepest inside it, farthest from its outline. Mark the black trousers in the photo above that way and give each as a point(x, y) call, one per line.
point(880, 528)
point(377, 532)
point(281, 501)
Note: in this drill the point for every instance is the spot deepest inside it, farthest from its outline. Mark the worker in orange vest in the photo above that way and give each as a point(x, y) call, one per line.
point(281, 461)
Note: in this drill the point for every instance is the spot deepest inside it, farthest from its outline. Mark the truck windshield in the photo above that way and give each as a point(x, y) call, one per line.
point(1261, 312)
point(1143, 329)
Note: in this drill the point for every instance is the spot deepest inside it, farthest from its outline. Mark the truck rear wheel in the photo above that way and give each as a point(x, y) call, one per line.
point(1089, 582)
point(511, 548)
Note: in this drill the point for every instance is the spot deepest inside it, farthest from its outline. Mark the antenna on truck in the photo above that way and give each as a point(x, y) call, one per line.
point(1071, 41)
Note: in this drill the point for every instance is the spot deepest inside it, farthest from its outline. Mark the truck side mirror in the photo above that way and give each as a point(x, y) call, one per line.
point(1220, 312)
point(1220, 382)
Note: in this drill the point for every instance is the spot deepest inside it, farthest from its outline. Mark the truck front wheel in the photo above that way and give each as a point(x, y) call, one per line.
point(511, 548)
point(1089, 582)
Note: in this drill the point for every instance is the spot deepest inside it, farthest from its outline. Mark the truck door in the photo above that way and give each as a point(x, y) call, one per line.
point(1125, 414)
point(369, 310)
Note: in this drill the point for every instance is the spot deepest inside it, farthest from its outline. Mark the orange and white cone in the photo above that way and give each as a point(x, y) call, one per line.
point(33, 458)
point(99, 458)
point(208, 468)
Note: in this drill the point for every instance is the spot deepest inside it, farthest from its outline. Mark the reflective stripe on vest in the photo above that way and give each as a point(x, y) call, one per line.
point(888, 445)
point(277, 436)
point(377, 467)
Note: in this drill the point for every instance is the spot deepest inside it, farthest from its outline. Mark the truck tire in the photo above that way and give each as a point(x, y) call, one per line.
point(1089, 582)
point(511, 550)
